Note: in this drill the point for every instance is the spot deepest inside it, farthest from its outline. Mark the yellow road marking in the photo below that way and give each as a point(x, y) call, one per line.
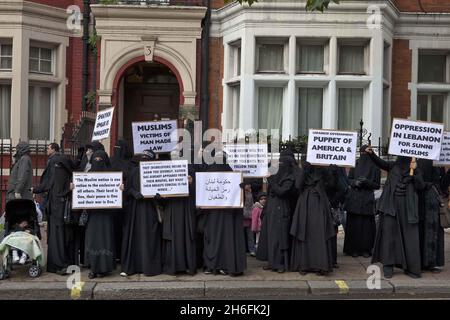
point(343, 287)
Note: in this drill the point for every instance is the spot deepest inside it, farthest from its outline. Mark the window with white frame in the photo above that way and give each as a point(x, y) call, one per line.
point(235, 59)
point(5, 56)
point(387, 62)
point(39, 112)
point(5, 111)
point(271, 55)
point(311, 57)
point(430, 107)
point(353, 57)
point(433, 66)
point(350, 108)
point(41, 60)
point(270, 108)
point(310, 109)
point(235, 94)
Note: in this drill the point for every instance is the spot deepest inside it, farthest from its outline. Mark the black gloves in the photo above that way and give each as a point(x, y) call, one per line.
point(158, 196)
point(137, 195)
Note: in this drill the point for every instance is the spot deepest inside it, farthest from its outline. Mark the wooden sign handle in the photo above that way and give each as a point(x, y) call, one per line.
point(411, 171)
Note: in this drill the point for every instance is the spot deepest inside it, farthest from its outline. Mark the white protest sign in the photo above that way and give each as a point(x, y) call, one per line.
point(327, 147)
point(103, 123)
point(218, 190)
point(97, 190)
point(417, 139)
point(444, 158)
point(168, 178)
point(155, 135)
point(250, 159)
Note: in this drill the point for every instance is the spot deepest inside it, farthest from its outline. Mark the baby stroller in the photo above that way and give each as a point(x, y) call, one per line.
point(17, 211)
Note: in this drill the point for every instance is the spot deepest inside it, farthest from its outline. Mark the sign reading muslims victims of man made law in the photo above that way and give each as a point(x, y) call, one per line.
point(154, 135)
point(250, 159)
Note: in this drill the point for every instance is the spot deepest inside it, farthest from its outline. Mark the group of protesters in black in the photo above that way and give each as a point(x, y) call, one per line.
point(299, 223)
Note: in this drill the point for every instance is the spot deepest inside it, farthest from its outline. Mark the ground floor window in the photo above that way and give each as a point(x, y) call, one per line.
point(270, 108)
point(430, 107)
point(310, 109)
point(5, 111)
point(39, 112)
point(350, 108)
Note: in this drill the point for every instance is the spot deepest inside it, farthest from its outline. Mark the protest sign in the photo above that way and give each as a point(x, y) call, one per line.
point(444, 158)
point(218, 190)
point(168, 178)
point(97, 190)
point(416, 139)
point(103, 123)
point(250, 159)
point(327, 147)
point(155, 135)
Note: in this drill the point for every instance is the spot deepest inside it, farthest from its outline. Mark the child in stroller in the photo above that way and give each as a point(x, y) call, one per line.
point(22, 236)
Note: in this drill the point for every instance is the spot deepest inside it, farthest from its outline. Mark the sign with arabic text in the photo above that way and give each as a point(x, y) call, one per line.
point(218, 190)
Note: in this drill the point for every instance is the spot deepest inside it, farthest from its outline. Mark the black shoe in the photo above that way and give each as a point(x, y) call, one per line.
point(236, 274)
point(335, 266)
point(223, 272)
point(303, 273)
point(267, 268)
point(355, 255)
point(62, 272)
point(92, 275)
point(208, 271)
point(388, 271)
point(367, 255)
point(412, 275)
point(436, 270)
point(101, 275)
point(281, 271)
point(321, 273)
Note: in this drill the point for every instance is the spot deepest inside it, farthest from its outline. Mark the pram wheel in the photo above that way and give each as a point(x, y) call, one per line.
point(34, 271)
point(4, 275)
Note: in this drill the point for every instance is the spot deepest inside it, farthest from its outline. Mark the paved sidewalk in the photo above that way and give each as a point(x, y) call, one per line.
point(349, 281)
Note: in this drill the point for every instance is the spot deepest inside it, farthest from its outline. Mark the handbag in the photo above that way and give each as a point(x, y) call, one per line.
point(68, 216)
point(84, 217)
point(336, 215)
point(444, 211)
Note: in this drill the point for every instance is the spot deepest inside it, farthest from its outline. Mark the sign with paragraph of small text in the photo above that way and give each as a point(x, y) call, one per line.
point(250, 159)
point(168, 178)
point(97, 190)
point(444, 158)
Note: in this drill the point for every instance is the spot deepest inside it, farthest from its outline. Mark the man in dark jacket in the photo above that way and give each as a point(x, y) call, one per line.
point(19, 184)
point(47, 176)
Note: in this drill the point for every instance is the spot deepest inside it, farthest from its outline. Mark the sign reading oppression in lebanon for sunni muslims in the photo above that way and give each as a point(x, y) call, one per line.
point(327, 147)
point(417, 139)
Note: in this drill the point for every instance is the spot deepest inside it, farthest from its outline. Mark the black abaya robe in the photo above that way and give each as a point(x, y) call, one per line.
point(224, 243)
point(99, 242)
point(430, 231)
point(59, 235)
point(179, 233)
point(360, 206)
point(312, 229)
point(397, 239)
point(141, 243)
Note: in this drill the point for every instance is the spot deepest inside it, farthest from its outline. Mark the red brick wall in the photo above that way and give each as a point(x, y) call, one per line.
point(215, 82)
point(215, 4)
point(423, 5)
point(401, 76)
point(74, 75)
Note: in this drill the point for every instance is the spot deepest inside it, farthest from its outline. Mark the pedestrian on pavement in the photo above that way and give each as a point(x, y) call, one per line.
point(224, 242)
point(100, 243)
point(247, 211)
point(20, 179)
point(274, 242)
point(256, 215)
point(179, 252)
point(430, 231)
point(59, 232)
point(397, 240)
point(142, 238)
point(313, 228)
point(360, 207)
point(47, 176)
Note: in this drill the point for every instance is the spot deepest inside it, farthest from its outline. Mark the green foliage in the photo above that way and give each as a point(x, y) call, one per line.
point(311, 5)
point(109, 1)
